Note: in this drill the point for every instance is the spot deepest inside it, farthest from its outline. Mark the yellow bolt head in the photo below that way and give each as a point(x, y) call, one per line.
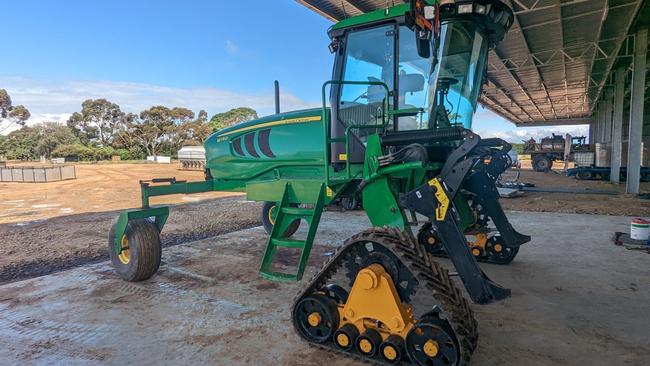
point(396, 323)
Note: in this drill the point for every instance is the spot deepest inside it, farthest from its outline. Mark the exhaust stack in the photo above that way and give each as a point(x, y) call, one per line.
point(277, 96)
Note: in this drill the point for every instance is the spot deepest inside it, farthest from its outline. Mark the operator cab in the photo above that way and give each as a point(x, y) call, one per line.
point(425, 84)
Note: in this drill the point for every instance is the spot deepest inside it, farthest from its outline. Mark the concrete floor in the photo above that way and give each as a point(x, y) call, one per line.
point(577, 300)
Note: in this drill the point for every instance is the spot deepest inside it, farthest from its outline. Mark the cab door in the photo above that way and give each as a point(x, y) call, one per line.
point(368, 55)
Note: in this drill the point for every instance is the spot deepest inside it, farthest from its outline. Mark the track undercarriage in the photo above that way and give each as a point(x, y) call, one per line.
point(418, 315)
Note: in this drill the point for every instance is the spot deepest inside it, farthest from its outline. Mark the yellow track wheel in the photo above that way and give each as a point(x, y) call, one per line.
point(368, 342)
point(346, 336)
point(392, 348)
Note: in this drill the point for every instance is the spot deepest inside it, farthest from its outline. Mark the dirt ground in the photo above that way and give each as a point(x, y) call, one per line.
point(577, 300)
point(52, 226)
point(620, 204)
point(98, 188)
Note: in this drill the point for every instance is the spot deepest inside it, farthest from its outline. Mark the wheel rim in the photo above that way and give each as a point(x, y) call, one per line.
point(428, 344)
point(125, 254)
point(316, 318)
point(542, 164)
point(272, 215)
point(500, 253)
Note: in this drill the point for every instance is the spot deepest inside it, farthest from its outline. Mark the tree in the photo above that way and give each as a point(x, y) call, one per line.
point(10, 114)
point(149, 129)
point(29, 143)
point(232, 117)
point(96, 122)
point(49, 135)
point(191, 132)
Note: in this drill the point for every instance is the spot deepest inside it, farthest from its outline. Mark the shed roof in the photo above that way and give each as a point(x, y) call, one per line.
point(552, 66)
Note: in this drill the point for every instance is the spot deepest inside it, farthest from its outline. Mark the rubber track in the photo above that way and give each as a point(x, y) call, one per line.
point(431, 277)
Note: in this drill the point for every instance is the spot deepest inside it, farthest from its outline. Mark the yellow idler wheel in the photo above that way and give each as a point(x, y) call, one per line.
point(391, 349)
point(498, 248)
point(368, 343)
point(346, 336)
point(476, 252)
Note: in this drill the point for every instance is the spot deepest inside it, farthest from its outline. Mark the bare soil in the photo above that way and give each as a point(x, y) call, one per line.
point(621, 204)
point(98, 188)
point(41, 247)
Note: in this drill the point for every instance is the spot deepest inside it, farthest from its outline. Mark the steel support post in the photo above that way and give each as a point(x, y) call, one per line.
point(636, 112)
point(607, 119)
point(617, 126)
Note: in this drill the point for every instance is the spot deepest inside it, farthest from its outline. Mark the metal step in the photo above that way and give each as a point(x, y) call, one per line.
point(297, 211)
point(288, 243)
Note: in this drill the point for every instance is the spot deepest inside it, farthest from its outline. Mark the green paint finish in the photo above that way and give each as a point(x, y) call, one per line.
point(465, 212)
point(376, 16)
point(378, 197)
point(228, 157)
point(175, 188)
point(293, 193)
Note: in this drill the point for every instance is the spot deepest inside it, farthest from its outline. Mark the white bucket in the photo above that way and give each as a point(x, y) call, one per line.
point(640, 229)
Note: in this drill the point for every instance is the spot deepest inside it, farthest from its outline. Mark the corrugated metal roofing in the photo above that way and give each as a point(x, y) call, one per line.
point(553, 64)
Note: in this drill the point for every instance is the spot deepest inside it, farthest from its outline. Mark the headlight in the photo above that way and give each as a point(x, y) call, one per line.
point(480, 9)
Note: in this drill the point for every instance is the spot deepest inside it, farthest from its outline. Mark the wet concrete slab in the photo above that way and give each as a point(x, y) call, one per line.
point(577, 300)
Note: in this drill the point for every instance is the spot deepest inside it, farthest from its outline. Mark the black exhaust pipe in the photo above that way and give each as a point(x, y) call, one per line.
point(277, 97)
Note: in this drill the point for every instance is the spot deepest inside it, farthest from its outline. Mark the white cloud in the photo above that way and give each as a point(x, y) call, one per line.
point(55, 101)
point(231, 48)
point(520, 134)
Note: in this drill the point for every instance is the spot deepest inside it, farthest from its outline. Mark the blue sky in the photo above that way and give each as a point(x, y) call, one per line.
point(201, 54)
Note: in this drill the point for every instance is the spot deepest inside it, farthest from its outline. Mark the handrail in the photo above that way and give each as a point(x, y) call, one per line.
point(327, 122)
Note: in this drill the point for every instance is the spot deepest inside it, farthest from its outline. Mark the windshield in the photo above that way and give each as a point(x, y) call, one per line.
point(458, 78)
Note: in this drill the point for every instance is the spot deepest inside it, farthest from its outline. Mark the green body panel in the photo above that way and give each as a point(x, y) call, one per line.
point(290, 156)
point(465, 212)
point(378, 198)
point(302, 190)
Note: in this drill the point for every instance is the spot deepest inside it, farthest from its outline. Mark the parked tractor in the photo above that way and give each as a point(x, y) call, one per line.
point(394, 129)
point(553, 148)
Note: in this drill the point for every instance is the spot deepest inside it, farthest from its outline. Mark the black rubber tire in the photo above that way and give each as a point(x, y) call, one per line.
point(268, 222)
point(145, 251)
point(542, 163)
